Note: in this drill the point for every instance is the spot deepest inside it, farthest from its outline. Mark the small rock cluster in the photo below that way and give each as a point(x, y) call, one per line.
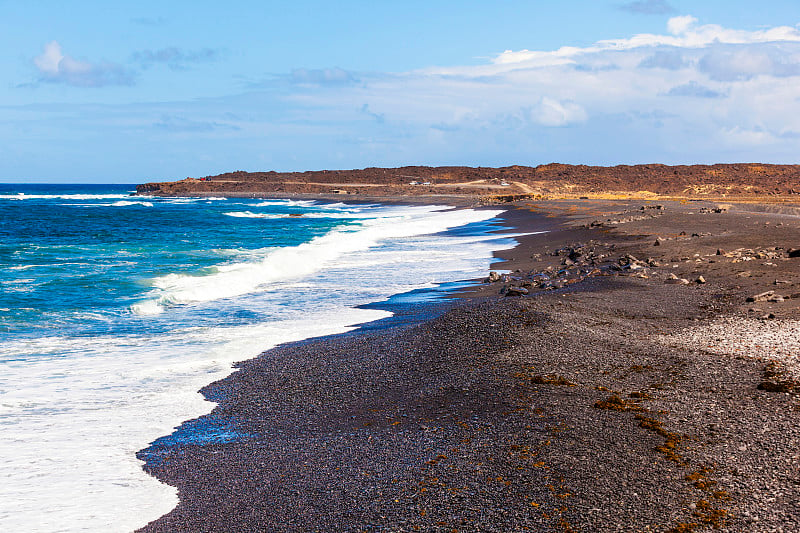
point(771, 297)
point(718, 209)
point(746, 254)
point(578, 262)
point(643, 213)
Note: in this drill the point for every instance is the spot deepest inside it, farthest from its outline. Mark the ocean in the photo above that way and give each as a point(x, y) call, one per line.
point(115, 310)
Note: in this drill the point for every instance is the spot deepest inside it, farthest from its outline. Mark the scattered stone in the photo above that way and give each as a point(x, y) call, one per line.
point(676, 281)
point(516, 291)
point(761, 297)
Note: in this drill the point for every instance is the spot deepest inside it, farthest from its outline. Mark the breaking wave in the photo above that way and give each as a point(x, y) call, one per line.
point(296, 262)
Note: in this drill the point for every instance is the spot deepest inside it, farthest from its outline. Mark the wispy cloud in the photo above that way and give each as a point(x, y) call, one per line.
point(666, 59)
point(695, 90)
point(175, 58)
point(634, 90)
point(56, 67)
point(691, 93)
point(327, 76)
point(378, 117)
point(648, 7)
point(733, 63)
point(174, 123)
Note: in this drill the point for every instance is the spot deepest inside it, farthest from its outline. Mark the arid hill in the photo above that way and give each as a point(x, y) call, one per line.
point(734, 181)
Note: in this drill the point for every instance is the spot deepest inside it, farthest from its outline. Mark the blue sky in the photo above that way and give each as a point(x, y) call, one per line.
point(110, 92)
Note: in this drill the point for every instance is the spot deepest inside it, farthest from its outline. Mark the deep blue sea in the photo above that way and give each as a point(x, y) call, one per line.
point(115, 310)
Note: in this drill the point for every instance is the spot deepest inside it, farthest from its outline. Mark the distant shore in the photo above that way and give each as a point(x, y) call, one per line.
point(617, 378)
point(743, 182)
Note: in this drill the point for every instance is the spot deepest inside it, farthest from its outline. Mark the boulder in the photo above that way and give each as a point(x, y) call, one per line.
point(516, 291)
point(762, 297)
point(676, 281)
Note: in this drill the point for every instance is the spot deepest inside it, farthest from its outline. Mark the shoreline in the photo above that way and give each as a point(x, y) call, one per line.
point(567, 408)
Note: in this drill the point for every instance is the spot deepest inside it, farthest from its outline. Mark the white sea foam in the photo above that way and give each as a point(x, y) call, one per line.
point(74, 416)
point(125, 203)
point(341, 215)
point(291, 203)
point(291, 263)
point(23, 196)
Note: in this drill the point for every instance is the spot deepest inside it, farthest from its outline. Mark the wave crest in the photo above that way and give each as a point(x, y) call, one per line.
point(296, 262)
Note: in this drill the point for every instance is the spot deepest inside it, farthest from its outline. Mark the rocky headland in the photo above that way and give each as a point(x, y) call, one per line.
point(743, 182)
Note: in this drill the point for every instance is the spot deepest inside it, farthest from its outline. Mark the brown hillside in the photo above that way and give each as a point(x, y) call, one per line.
point(552, 180)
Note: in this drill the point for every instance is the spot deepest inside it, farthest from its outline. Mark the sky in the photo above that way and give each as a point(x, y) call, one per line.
point(123, 92)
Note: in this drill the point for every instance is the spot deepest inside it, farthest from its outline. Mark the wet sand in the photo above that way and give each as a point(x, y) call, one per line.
point(592, 404)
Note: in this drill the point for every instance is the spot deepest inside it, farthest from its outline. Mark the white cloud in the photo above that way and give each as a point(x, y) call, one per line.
point(683, 33)
point(690, 93)
point(48, 63)
point(551, 112)
point(648, 7)
point(680, 25)
point(695, 93)
point(55, 67)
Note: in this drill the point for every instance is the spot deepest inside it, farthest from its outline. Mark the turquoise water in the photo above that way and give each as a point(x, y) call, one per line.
point(115, 310)
point(73, 259)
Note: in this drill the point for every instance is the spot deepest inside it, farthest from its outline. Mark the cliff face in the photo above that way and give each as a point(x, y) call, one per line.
point(712, 181)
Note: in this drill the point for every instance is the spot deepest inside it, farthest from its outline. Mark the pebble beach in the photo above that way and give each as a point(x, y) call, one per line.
point(612, 377)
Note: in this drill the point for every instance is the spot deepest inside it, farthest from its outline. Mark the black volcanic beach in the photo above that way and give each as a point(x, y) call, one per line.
point(617, 379)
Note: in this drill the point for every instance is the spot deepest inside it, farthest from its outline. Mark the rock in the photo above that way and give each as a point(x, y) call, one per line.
point(761, 297)
point(700, 279)
point(658, 242)
point(769, 386)
point(794, 252)
point(720, 251)
point(493, 277)
point(676, 281)
point(775, 299)
point(795, 295)
point(516, 291)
